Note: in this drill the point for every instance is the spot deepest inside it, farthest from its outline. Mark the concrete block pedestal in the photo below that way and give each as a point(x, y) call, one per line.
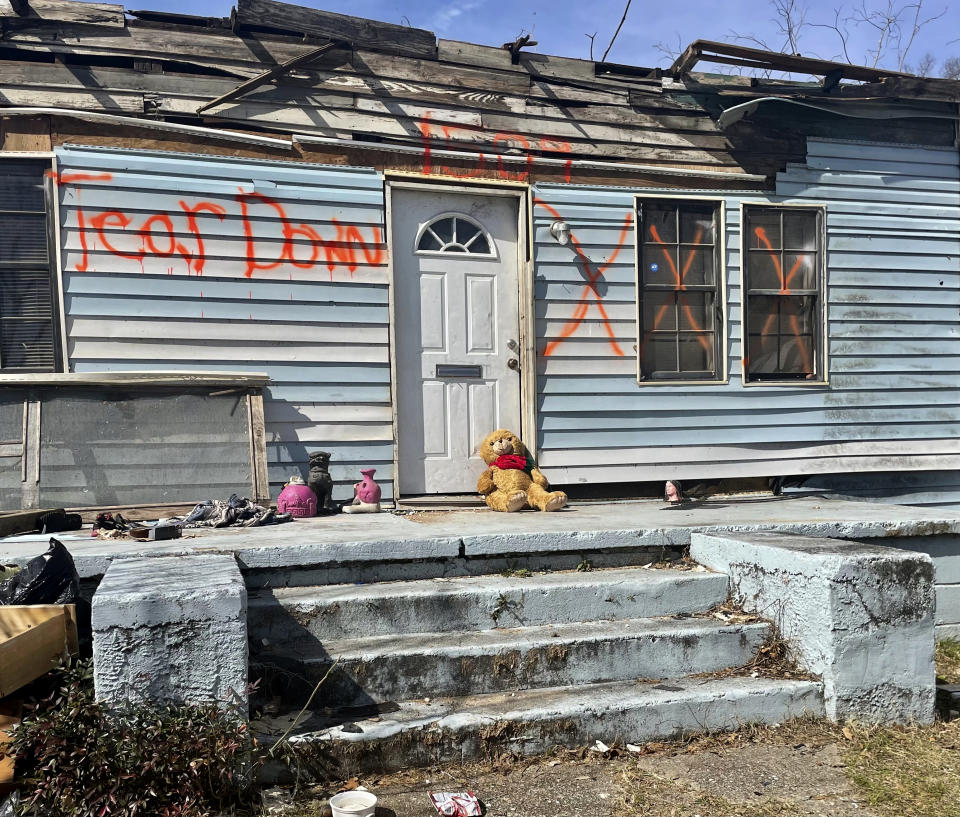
point(860, 616)
point(171, 629)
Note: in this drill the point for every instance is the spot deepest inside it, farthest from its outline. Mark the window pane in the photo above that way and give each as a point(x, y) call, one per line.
point(764, 355)
point(23, 238)
point(796, 355)
point(695, 311)
point(660, 355)
point(660, 223)
point(25, 294)
point(659, 265)
point(697, 266)
point(696, 224)
point(21, 186)
point(26, 344)
point(799, 230)
point(696, 353)
point(763, 230)
point(444, 229)
point(800, 271)
point(659, 312)
point(763, 270)
point(479, 245)
point(763, 314)
point(797, 315)
point(428, 241)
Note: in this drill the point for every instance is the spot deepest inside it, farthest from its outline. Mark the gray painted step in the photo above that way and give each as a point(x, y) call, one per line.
point(532, 721)
point(286, 615)
point(402, 667)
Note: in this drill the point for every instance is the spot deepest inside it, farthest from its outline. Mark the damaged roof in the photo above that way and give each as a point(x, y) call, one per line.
point(290, 70)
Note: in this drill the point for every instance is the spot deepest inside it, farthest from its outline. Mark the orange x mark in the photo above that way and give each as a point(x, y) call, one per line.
point(593, 275)
point(680, 280)
point(785, 281)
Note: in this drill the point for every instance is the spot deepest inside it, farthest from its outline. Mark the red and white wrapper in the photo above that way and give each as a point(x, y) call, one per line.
point(456, 804)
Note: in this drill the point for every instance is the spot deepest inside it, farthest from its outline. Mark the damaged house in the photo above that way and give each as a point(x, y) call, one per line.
point(225, 243)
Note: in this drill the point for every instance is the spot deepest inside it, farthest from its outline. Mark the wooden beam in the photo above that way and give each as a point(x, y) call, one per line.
point(269, 15)
point(64, 11)
point(710, 51)
point(268, 76)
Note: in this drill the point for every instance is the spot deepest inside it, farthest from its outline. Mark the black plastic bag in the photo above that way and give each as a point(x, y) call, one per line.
point(58, 521)
point(49, 579)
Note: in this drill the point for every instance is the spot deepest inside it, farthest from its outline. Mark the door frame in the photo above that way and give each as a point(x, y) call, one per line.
point(525, 295)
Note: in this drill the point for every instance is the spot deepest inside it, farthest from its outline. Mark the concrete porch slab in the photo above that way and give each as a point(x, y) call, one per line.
point(483, 533)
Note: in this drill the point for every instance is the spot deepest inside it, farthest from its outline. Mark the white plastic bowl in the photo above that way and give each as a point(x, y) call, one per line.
point(353, 804)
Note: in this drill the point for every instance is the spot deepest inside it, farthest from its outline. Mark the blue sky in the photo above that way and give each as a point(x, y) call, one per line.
point(561, 26)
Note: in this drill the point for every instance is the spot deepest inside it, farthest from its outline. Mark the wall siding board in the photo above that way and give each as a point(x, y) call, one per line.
point(893, 293)
point(313, 313)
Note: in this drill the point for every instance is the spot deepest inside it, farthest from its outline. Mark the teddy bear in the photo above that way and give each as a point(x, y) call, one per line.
point(512, 481)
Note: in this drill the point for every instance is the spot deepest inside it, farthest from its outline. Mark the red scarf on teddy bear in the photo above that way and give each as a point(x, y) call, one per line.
point(507, 462)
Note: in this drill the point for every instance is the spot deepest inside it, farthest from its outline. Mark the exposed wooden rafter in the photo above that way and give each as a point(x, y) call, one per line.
point(726, 54)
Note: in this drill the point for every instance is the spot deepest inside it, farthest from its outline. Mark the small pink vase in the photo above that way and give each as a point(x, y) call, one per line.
point(297, 500)
point(367, 491)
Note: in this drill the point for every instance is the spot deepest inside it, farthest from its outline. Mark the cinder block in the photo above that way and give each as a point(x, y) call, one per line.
point(860, 616)
point(171, 629)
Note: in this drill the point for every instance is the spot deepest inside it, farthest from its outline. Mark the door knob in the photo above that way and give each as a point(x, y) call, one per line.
point(514, 364)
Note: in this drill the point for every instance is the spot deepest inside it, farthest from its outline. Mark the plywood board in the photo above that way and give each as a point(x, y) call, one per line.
point(33, 639)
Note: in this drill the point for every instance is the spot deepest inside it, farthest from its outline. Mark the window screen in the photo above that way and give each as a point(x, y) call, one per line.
point(679, 290)
point(28, 332)
point(783, 300)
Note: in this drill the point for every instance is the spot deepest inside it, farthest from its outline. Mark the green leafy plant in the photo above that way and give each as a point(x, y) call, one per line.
point(76, 759)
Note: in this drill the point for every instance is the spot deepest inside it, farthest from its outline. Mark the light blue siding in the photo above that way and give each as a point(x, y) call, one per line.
point(314, 319)
point(893, 311)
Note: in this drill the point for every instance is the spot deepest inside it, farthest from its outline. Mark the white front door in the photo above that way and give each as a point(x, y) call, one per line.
point(455, 258)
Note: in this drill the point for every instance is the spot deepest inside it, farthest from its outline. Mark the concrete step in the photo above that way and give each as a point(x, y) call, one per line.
point(533, 721)
point(287, 615)
point(402, 667)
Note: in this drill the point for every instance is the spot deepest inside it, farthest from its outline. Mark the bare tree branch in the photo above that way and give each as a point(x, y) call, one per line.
point(591, 37)
point(670, 52)
point(951, 68)
point(917, 25)
point(839, 27)
point(613, 39)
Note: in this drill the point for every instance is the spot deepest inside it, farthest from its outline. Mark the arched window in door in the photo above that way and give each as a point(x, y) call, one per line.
point(454, 233)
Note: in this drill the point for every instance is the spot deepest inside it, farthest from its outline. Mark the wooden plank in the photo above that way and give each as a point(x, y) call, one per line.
point(218, 49)
point(649, 146)
point(267, 76)
point(484, 56)
point(258, 449)
point(270, 15)
point(64, 11)
point(25, 133)
point(33, 639)
point(9, 718)
point(710, 51)
point(14, 522)
point(78, 100)
point(141, 378)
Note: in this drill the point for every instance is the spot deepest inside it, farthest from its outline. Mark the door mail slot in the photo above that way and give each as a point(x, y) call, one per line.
point(446, 370)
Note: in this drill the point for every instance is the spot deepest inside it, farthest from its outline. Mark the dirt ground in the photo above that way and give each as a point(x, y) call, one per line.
point(801, 767)
point(799, 771)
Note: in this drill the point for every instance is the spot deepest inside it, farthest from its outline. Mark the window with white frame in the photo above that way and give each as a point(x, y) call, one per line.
point(28, 313)
point(679, 289)
point(783, 294)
